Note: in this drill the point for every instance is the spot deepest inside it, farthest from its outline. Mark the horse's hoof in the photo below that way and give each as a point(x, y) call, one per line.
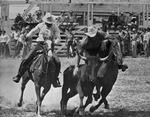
point(92, 109)
point(19, 104)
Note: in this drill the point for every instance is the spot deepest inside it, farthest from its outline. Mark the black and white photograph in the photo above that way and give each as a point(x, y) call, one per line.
point(74, 58)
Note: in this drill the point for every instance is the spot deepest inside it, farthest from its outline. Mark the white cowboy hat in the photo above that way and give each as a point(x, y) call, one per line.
point(91, 31)
point(48, 18)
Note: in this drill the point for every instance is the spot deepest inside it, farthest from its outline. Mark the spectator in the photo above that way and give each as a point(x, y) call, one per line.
point(71, 17)
point(62, 17)
point(18, 45)
point(4, 41)
point(15, 37)
point(121, 20)
point(128, 18)
point(1, 49)
point(18, 18)
point(120, 38)
point(147, 43)
point(113, 20)
point(127, 43)
point(38, 16)
point(135, 36)
point(131, 21)
point(69, 43)
point(139, 43)
point(29, 18)
point(26, 43)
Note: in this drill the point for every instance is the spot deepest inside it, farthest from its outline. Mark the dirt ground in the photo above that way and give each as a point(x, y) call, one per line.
point(130, 96)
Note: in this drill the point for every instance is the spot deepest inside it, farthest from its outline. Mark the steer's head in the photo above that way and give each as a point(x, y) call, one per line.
point(92, 65)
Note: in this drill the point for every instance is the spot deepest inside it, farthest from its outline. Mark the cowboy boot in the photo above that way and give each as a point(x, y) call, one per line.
point(22, 70)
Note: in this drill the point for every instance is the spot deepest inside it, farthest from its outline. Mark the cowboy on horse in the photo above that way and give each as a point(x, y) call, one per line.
point(95, 42)
point(49, 32)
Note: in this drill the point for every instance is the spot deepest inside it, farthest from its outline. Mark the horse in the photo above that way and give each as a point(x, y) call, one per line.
point(107, 74)
point(82, 83)
point(41, 72)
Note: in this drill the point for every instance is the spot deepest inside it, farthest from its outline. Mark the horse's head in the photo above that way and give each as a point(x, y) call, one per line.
point(92, 66)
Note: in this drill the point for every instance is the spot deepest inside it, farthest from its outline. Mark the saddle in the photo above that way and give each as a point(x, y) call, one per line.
point(39, 62)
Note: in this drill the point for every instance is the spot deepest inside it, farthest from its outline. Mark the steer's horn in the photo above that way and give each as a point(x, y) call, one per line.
point(104, 59)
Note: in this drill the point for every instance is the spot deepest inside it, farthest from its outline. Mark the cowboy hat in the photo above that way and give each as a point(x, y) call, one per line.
point(91, 31)
point(48, 18)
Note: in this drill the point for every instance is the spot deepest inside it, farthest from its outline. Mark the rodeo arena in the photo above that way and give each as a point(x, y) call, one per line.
point(74, 58)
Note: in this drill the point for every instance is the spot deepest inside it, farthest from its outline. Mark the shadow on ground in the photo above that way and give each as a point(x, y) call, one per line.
point(26, 112)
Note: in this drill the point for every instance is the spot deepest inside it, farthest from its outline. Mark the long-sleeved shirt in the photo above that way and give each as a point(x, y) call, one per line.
point(15, 35)
point(5, 38)
point(45, 33)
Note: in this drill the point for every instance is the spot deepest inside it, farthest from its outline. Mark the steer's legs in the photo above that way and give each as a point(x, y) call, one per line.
point(105, 91)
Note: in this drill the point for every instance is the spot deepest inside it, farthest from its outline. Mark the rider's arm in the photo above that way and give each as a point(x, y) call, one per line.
point(34, 31)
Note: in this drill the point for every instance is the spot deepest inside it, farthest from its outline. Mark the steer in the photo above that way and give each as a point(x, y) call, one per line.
point(82, 83)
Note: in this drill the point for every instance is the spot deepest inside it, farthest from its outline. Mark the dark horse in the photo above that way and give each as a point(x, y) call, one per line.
point(82, 83)
point(41, 72)
point(107, 75)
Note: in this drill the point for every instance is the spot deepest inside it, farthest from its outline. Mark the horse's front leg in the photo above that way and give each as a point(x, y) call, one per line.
point(44, 92)
point(23, 86)
point(81, 95)
point(38, 103)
